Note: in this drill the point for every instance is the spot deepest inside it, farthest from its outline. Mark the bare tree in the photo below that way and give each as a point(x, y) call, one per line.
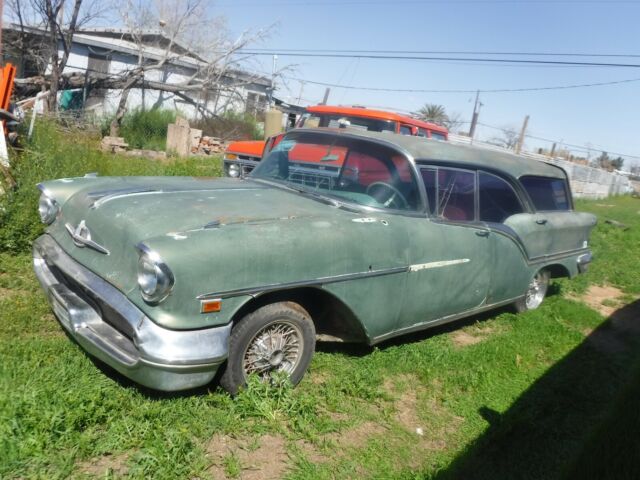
point(59, 25)
point(508, 139)
point(454, 122)
point(188, 33)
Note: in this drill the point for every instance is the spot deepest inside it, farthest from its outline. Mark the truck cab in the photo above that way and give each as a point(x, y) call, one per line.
point(241, 157)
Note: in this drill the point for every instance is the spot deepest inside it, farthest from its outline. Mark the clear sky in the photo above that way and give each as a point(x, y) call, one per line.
point(603, 117)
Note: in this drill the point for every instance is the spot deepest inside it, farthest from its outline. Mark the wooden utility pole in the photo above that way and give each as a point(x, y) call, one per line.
point(326, 96)
point(522, 133)
point(474, 118)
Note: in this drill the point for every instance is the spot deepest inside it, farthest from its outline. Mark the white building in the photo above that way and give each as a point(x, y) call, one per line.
point(112, 51)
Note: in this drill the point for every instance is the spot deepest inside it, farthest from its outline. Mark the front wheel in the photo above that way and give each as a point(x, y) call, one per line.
point(279, 337)
point(536, 291)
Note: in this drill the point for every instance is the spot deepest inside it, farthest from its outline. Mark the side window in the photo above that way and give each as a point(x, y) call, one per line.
point(405, 130)
point(423, 132)
point(547, 193)
point(430, 184)
point(438, 136)
point(456, 194)
point(498, 201)
point(451, 193)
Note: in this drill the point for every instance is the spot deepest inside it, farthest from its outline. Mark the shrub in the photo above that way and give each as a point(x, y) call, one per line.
point(231, 126)
point(55, 153)
point(146, 128)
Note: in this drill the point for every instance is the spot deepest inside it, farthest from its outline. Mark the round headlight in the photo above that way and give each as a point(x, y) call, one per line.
point(234, 170)
point(48, 209)
point(154, 276)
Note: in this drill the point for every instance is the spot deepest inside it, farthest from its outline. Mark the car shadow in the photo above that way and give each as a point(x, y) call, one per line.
point(579, 420)
point(361, 350)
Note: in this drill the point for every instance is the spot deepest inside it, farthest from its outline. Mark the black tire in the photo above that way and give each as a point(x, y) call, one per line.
point(542, 278)
point(285, 315)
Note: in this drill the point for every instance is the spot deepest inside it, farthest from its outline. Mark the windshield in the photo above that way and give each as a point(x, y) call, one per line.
point(313, 120)
point(346, 169)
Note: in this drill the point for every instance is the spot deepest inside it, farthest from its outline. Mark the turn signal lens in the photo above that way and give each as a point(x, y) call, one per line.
point(210, 306)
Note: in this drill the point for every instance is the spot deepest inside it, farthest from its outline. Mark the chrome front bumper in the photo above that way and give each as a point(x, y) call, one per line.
point(110, 327)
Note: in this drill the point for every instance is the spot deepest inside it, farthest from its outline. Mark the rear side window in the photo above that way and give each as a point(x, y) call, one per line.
point(438, 136)
point(452, 192)
point(547, 193)
point(498, 201)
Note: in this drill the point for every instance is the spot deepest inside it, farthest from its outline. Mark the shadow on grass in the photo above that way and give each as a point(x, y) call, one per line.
point(580, 420)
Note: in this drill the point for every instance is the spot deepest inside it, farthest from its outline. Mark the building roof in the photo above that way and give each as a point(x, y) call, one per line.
point(421, 148)
point(155, 43)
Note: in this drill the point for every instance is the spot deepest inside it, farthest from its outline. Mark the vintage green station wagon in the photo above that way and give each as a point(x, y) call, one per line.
point(355, 235)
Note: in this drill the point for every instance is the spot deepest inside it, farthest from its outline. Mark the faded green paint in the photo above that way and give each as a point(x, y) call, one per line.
point(261, 235)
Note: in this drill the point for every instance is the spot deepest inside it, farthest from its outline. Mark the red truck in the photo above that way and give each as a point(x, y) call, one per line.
point(241, 157)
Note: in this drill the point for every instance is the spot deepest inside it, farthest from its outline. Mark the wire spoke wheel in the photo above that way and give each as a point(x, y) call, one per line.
point(536, 291)
point(277, 347)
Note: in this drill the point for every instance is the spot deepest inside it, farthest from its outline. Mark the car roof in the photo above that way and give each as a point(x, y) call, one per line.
point(372, 113)
point(462, 155)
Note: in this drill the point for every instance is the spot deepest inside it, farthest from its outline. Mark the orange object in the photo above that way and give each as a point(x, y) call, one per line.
point(210, 306)
point(7, 75)
point(402, 124)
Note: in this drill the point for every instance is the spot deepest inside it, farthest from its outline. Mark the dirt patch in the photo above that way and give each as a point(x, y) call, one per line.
point(263, 458)
point(112, 465)
point(602, 299)
point(310, 452)
point(6, 293)
point(463, 339)
point(357, 436)
point(470, 336)
point(318, 378)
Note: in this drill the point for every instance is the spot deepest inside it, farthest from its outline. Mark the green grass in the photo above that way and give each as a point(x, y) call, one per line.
point(533, 399)
point(53, 153)
point(147, 128)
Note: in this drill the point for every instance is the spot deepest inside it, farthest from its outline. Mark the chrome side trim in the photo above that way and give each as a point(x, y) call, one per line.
point(255, 291)
point(509, 233)
point(440, 321)
point(444, 263)
point(556, 256)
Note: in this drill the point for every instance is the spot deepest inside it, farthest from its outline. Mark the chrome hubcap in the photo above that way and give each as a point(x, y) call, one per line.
point(275, 348)
point(536, 292)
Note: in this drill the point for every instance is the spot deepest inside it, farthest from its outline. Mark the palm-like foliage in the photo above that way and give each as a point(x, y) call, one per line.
point(433, 113)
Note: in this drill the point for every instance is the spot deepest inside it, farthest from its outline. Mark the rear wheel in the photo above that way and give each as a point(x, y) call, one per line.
point(536, 291)
point(279, 337)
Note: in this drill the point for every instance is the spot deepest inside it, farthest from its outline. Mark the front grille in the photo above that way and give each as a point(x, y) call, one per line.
point(106, 312)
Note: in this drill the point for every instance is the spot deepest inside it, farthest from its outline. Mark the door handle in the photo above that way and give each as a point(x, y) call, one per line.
point(542, 221)
point(482, 233)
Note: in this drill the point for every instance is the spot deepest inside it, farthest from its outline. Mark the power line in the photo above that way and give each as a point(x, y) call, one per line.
point(495, 90)
point(448, 52)
point(514, 61)
point(567, 144)
point(386, 3)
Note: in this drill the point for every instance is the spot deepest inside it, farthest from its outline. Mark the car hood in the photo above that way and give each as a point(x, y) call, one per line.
point(135, 209)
